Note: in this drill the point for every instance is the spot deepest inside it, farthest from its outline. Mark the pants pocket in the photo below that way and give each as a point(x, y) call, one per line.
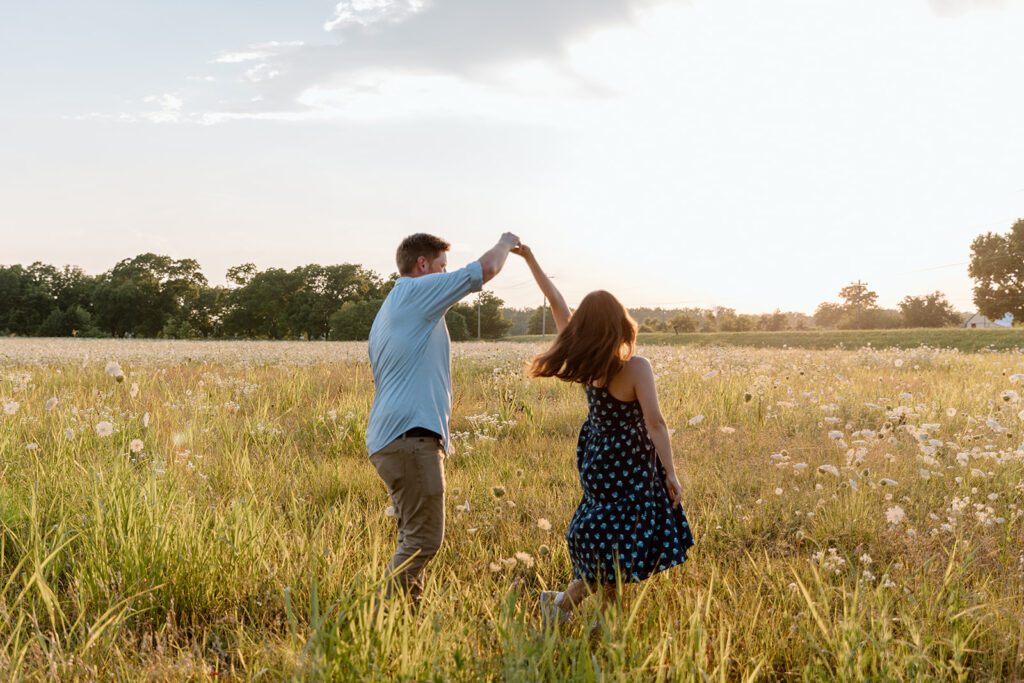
point(430, 467)
point(390, 466)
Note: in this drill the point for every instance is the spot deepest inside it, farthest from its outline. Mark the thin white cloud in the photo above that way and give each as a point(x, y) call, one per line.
point(260, 51)
point(261, 72)
point(368, 12)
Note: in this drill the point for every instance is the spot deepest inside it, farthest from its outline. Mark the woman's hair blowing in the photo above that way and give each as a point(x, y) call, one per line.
point(599, 339)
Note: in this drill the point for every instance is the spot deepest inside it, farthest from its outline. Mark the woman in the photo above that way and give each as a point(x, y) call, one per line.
point(630, 523)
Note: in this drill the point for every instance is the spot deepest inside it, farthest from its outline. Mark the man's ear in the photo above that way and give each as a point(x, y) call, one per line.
point(421, 263)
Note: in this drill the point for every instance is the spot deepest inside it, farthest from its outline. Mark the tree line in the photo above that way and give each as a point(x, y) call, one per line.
point(152, 295)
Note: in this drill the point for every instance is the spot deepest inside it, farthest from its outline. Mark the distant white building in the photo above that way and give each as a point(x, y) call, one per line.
point(978, 320)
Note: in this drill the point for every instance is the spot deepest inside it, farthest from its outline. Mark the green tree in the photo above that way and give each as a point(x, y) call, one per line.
point(535, 324)
point(139, 295)
point(321, 290)
point(26, 300)
point(858, 311)
point(352, 322)
point(261, 307)
point(458, 326)
point(652, 324)
point(859, 306)
point(682, 322)
point(279, 304)
point(74, 321)
point(930, 310)
point(997, 267)
point(828, 314)
point(520, 319)
point(773, 322)
point(486, 313)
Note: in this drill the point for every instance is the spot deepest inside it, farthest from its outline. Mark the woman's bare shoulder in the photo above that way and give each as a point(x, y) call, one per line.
point(637, 364)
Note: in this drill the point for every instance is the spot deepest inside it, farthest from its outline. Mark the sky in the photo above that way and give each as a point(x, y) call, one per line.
point(753, 154)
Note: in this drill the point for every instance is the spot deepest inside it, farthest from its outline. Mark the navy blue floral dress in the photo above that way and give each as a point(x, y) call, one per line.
point(626, 521)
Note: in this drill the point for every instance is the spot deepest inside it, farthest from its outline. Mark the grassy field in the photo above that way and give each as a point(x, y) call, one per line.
point(858, 515)
point(940, 338)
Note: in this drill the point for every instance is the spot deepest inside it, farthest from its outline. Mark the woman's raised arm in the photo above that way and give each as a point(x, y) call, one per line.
point(559, 310)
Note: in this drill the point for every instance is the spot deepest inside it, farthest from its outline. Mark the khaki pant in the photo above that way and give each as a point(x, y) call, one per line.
point(413, 470)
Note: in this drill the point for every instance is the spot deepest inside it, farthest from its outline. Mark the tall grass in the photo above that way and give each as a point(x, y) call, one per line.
point(968, 340)
point(247, 537)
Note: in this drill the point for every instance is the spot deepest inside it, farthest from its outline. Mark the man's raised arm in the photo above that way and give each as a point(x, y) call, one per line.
point(494, 259)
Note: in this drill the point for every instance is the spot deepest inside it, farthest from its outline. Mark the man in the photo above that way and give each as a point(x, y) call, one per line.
point(408, 436)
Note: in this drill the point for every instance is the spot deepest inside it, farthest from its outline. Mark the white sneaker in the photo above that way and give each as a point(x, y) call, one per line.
point(551, 611)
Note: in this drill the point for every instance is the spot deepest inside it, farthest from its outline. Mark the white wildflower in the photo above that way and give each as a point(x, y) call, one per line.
point(895, 515)
point(114, 370)
point(828, 469)
point(525, 558)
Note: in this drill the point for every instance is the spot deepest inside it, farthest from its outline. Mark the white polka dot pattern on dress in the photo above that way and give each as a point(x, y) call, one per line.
point(625, 523)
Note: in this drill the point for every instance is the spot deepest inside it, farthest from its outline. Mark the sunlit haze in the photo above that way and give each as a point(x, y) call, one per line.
point(746, 153)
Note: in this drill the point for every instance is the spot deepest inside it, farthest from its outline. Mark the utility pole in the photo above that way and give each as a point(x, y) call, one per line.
point(478, 318)
point(544, 312)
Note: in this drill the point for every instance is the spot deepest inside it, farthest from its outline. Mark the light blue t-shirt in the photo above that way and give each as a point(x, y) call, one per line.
point(410, 354)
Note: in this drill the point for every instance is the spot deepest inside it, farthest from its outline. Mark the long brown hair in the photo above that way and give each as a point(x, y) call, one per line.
point(599, 339)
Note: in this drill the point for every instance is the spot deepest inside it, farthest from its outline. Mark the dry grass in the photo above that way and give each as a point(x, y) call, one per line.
point(246, 538)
